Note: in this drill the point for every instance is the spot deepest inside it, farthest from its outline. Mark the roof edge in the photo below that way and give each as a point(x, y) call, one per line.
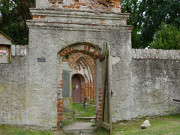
point(5, 35)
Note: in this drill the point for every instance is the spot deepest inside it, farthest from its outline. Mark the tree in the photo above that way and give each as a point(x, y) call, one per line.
point(148, 16)
point(168, 37)
point(13, 19)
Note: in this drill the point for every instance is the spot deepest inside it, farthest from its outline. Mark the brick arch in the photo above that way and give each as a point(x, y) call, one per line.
point(83, 56)
point(84, 47)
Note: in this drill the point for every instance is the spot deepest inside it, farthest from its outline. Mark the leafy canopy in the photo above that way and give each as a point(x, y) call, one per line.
point(147, 16)
point(14, 14)
point(168, 37)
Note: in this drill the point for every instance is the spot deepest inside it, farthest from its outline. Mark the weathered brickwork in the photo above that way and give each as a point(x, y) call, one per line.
point(99, 110)
point(59, 112)
point(88, 5)
point(77, 61)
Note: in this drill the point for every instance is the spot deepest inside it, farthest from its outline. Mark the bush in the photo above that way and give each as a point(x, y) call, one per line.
point(168, 37)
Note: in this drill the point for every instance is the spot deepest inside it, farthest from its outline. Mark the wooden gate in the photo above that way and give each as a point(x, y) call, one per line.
point(106, 121)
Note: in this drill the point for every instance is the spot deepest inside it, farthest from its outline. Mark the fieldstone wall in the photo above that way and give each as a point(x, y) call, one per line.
point(13, 88)
point(155, 82)
point(49, 36)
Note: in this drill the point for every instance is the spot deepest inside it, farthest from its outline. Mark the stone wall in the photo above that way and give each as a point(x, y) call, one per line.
point(50, 35)
point(155, 82)
point(155, 54)
point(13, 88)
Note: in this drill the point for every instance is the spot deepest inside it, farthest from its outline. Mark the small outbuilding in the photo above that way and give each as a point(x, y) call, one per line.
point(5, 48)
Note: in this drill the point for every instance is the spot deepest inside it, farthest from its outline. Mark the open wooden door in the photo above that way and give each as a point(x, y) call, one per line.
point(106, 121)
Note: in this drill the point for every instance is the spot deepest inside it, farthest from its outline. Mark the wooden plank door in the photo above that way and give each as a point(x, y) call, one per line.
point(106, 121)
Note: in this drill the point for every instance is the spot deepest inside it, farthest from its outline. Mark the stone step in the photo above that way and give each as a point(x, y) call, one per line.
point(80, 128)
point(85, 118)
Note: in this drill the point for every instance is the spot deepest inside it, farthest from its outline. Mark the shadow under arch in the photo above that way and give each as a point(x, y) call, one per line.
point(83, 79)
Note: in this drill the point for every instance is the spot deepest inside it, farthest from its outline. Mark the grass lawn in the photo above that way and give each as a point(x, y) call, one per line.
point(13, 130)
point(79, 111)
point(166, 125)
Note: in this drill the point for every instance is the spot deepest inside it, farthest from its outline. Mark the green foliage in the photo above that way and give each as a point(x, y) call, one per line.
point(14, 14)
point(168, 37)
point(147, 16)
point(131, 6)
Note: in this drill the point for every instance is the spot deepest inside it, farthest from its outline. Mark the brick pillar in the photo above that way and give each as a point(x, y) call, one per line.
point(99, 111)
point(59, 112)
point(59, 104)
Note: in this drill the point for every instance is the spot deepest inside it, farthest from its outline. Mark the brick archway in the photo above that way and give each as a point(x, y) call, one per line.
point(78, 58)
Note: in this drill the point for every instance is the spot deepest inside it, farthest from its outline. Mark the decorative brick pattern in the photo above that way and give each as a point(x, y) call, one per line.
point(84, 49)
point(88, 5)
point(78, 60)
point(38, 17)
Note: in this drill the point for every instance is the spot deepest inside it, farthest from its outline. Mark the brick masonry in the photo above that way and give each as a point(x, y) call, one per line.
point(81, 60)
point(88, 5)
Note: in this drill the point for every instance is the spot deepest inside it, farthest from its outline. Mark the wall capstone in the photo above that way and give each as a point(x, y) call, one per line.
point(19, 50)
point(155, 54)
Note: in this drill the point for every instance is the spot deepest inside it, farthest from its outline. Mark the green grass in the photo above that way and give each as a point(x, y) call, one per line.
point(79, 111)
point(167, 125)
point(12, 130)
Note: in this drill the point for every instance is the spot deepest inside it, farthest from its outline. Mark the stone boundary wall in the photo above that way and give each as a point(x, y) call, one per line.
point(155, 54)
point(155, 82)
point(13, 80)
point(19, 50)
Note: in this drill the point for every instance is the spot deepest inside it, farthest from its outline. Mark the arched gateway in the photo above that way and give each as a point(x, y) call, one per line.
point(76, 64)
point(77, 35)
point(69, 38)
